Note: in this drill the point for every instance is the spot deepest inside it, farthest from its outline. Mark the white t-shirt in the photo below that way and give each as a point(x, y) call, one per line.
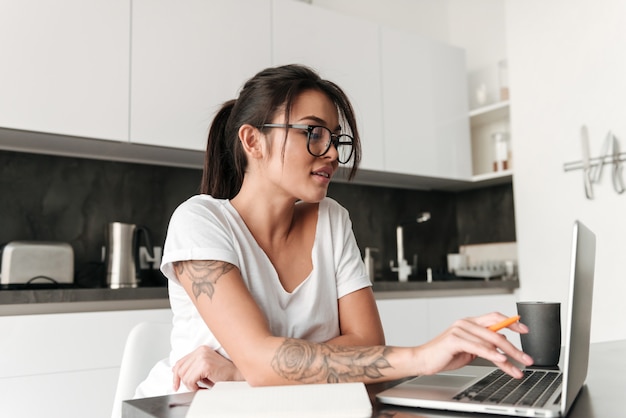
point(204, 228)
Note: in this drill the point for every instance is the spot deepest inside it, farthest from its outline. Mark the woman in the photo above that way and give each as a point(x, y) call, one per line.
point(266, 281)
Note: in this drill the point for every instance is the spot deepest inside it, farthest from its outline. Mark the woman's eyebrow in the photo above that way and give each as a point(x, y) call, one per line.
point(318, 120)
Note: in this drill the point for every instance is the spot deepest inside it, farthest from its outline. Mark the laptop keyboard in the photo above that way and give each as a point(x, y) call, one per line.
point(534, 389)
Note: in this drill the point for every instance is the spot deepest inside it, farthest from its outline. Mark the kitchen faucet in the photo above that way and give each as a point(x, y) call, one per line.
point(404, 269)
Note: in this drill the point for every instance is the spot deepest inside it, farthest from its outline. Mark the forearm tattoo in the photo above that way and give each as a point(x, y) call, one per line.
point(203, 274)
point(307, 362)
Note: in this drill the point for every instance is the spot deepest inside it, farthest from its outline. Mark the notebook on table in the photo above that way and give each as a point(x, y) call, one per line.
point(550, 393)
point(238, 399)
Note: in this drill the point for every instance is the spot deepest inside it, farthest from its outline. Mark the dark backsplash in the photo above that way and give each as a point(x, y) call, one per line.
point(72, 199)
point(470, 217)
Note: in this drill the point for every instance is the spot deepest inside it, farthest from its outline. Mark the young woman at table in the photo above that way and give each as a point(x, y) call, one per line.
point(266, 281)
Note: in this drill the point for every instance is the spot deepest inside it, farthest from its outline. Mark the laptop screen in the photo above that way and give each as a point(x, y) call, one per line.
point(579, 313)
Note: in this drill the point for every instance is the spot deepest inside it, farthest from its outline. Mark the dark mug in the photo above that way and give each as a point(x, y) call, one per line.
point(543, 341)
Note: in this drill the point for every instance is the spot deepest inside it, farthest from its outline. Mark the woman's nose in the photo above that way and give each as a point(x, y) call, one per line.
point(332, 152)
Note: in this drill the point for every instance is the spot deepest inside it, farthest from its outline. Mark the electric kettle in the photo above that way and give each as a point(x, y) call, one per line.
point(122, 253)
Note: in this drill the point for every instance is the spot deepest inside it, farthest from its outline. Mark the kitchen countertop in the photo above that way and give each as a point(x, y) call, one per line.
point(443, 288)
point(46, 301)
point(66, 300)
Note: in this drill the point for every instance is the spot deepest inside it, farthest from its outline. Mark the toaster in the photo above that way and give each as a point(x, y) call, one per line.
point(35, 262)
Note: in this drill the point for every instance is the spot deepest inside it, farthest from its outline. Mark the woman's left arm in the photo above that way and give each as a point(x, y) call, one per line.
point(359, 325)
point(359, 322)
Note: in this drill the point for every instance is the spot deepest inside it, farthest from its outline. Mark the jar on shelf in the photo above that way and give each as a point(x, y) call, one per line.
point(503, 79)
point(481, 94)
point(501, 151)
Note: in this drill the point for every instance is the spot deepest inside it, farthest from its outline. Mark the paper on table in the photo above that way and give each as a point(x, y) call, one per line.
point(238, 399)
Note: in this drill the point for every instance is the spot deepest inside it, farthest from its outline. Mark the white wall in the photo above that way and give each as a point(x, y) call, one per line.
point(567, 68)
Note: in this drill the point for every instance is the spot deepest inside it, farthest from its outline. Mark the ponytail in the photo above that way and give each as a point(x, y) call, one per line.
point(221, 178)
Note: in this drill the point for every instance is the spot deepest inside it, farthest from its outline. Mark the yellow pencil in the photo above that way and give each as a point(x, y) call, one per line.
point(505, 323)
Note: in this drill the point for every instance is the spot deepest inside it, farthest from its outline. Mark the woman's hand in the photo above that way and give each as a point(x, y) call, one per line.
point(204, 365)
point(469, 338)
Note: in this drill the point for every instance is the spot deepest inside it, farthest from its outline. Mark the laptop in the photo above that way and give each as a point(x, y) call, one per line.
point(552, 392)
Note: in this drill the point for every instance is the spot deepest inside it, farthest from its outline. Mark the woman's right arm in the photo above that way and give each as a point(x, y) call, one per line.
point(222, 299)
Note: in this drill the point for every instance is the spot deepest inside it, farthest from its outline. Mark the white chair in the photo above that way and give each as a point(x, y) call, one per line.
point(147, 343)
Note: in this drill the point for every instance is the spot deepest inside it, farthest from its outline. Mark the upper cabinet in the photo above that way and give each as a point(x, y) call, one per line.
point(65, 67)
point(187, 59)
point(342, 49)
point(155, 72)
point(425, 109)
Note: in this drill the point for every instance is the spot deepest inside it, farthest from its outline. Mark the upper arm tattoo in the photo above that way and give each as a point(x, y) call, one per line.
point(307, 362)
point(203, 274)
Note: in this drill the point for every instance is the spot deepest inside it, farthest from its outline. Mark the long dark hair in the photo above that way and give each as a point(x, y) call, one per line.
point(266, 93)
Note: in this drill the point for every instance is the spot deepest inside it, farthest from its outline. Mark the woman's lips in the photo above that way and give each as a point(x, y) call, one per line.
point(324, 174)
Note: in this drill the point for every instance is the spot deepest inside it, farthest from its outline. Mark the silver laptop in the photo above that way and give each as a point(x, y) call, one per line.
point(555, 391)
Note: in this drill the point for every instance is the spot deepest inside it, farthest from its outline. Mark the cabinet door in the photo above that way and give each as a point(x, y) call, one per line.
point(425, 107)
point(415, 321)
point(74, 357)
point(188, 57)
point(406, 322)
point(444, 311)
point(343, 50)
point(65, 67)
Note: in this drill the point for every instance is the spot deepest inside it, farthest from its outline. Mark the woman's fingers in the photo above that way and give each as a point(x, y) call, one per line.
point(204, 366)
point(479, 341)
point(501, 343)
point(184, 373)
point(470, 337)
point(176, 382)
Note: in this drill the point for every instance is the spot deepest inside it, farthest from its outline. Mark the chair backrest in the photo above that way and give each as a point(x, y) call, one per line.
point(147, 343)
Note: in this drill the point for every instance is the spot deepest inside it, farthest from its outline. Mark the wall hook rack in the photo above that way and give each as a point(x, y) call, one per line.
point(593, 167)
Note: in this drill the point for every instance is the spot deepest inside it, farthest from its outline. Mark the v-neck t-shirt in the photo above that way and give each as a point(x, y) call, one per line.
point(205, 228)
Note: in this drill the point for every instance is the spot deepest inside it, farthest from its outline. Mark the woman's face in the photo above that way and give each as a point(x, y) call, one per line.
point(298, 173)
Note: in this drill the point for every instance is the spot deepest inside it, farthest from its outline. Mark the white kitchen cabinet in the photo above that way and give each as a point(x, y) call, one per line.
point(410, 322)
point(425, 110)
point(188, 57)
point(405, 321)
point(65, 67)
point(154, 72)
point(69, 361)
point(445, 310)
point(342, 49)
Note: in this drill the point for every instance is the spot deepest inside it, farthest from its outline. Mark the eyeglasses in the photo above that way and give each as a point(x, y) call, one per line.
point(319, 139)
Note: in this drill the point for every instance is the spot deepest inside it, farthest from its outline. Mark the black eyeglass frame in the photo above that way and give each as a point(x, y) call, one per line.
point(335, 139)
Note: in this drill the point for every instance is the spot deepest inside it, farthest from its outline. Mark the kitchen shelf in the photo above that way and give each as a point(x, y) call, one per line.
point(484, 122)
point(490, 113)
point(496, 177)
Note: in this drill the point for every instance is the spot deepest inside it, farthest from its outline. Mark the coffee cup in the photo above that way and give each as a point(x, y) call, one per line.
point(543, 341)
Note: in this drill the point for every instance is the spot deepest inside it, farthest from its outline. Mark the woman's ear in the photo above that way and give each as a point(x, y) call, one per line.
point(252, 141)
